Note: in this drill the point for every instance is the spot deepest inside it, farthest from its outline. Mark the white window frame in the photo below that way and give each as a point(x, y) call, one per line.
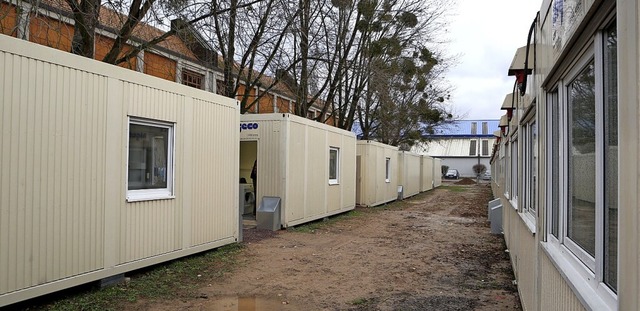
point(583, 272)
point(514, 170)
point(153, 194)
point(527, 181)
point(387, 170)
point(500, 178)
point(507, 169)
point(334, 181)
point(573, 74)
point(553, 99)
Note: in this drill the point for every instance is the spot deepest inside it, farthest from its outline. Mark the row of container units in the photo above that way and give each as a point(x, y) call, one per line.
point(384, 173)
point(309, 166)
point(105, 170)
point(565, 163)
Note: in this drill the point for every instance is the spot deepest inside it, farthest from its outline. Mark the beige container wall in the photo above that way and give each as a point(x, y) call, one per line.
point(532, 267)
point(545, 280)
point(64, 219)
point(293, 164)
point(374, 189)
point(409, 173)
point(426, 173)
point(557, 294)
point(526, 252)
point(437, 172)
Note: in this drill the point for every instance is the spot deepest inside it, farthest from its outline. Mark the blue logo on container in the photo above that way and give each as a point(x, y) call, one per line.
point(248, 126)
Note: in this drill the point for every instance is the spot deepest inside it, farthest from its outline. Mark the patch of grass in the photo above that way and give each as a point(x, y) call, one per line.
point(170, 280)
point(360, 301)
point(454, 188)
point(311, 227)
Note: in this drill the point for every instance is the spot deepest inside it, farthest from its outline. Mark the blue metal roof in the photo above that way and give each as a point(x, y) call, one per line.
point(356, 129)
point(462, 128)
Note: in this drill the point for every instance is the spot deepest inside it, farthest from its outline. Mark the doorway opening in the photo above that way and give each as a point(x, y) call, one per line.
point(248, 179)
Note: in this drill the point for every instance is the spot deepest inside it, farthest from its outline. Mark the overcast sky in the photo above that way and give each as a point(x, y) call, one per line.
point(485, 35)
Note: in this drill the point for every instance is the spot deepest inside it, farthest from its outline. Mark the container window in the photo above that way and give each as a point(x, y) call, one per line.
point(584, 164)
point(150, 160)
point(582, 160)
point(387, 170)
point(611, 156)
point(334, 165)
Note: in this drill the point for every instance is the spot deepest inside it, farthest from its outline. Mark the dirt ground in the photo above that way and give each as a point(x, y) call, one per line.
point(433, 251)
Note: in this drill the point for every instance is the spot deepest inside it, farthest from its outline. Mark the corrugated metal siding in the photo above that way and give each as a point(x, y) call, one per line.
point(149, 227)
point(63, 160)
point(317, 177)
point(209, 218)
point(270, 147)
point(301, 151)
point(391, 189)
point(334, 192)
point(308, 174)
point(453, 147)
point(409, 176)
point(426, 173)
point(348, 183)
point(153, 103)
point(51, 189)
point(296, 195)
point(437, 172)
point(527, 266)
point(526, 260)
point(375, 190)
point(365, 169)
point(556, 294)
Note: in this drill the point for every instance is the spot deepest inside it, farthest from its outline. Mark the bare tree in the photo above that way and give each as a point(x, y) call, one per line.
point(405, 95)
point(373, 62)
point(249, 40)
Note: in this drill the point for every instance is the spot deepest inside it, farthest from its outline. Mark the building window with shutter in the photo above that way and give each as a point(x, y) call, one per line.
point(473, 147)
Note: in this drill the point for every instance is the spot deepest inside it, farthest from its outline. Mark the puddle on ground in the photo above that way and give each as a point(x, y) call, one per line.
point(250, 303)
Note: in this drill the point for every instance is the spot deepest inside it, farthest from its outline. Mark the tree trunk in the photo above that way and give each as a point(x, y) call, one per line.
point(228, 60)
point(85, 15)
point(303, 88)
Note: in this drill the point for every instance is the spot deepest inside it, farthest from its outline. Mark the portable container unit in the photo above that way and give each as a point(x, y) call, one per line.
point(309, 165)
point(437, 172)
point(376, 173)
point(426, 173)
point(106, 170)
point(409, 173)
